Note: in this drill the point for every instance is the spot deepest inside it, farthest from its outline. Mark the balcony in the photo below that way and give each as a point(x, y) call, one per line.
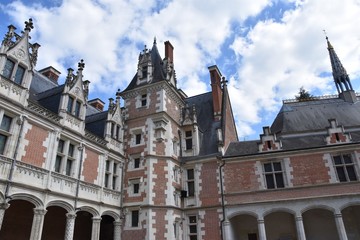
point(31, 177)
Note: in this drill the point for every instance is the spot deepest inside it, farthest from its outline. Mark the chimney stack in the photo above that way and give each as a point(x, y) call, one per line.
point(169, 51)
point(51, 73)
point(215, 77)
point(97, 103)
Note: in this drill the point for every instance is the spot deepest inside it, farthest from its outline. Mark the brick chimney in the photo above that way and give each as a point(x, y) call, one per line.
point(169, 51)
point(97, 103)
point(51, 73)
point(215, 77)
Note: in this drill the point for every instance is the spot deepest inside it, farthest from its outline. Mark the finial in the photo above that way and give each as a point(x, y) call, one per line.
point(81, 64)
point(29, 25)
point(325, 35)
point(145, 49)
point(327, 40)
point(154, 40)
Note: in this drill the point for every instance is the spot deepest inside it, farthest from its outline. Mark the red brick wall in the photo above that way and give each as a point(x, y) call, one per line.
point(134, 234)
point(212, 225)
point(240, 177)
point(91, 165)
point(160, 182)
point(209, 194)
point(161, 225)
point(34, 151)
point(309, 170)
point(133, 175)
point(230, 128)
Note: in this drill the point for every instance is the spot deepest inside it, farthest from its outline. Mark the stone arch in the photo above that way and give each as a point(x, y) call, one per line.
point(112, 214)
point(59, 203)
point(317, 206)
point(90, 210)
point(281, 209)
point(237, 213)
point(29, 198)
point(349, 204)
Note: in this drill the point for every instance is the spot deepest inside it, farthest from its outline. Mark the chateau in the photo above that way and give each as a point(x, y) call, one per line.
point(163, 165)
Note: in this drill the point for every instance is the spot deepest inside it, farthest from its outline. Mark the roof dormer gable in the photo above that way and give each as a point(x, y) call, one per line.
point(268, 141)
point(145, 67)
point(336, 133)
point(75, 85)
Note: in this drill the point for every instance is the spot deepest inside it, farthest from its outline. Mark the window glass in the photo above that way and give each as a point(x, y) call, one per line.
point(274, 176)
point(8, 68)
point(135, 218)
point(77, 108)
point(61, 146)
point(19, 75)
point(70, 104)
point(136, 162)
point(143, 100)
point(58, 164)
point(68, 167)
point(136, 188)
point(6, 123)
point(3, 139)
point(345, 168)
point(71, 150)
point(137, 138)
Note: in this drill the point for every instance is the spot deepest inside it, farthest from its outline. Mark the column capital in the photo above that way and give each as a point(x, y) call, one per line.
point(96, 219)
point(4, 205)
point(118, 223)
point(298, 218)
point(70, 215)
point(260, 221)
point(39, 211)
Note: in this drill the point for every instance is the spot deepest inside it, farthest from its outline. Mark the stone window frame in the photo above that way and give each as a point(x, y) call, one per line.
point(274, 173)
point(13, 73)
point(74, 106)
point(66, 153)
point(8, 132)
point(115, 131)
point(132, 183)
point(134, 132)
point(131, 162)
point(193, 235)
point(345, 166)
point(112, 174)
point(129, 219)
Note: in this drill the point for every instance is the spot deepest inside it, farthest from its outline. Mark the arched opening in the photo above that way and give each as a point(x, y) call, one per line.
point(244, 227)
point(54, 223)
point(17, 220)
point(107, 228)
point(351, 216)
point(83, 226)
point(280, 225)
point(319, 224)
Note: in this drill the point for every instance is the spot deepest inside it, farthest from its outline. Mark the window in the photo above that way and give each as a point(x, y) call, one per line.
point(136, 187)
point(193, 228)
point(190, 182)
point(137, 138)
point(273, 175)
point(188, 140)
point(115, 131)
point(65, 157)
point(111, 174)
point(8, 68)
point(135, 218)
point(4, 132)
point(137, 163)
point(345, 168)
point(73, 107)
point(19, 75)
point(143, 100)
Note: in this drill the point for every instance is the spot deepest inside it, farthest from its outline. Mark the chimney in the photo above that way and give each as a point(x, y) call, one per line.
point(51, 73)
point(97, 103)
point(169, 50)
point(215, 77)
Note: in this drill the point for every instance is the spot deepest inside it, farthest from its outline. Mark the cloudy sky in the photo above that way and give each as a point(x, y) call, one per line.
point(266, 49)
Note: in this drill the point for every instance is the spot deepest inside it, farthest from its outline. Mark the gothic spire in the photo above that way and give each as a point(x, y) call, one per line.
point(341, 78)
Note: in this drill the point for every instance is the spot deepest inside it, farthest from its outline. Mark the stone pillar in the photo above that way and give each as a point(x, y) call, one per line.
point(227, 232)
point(95, 230)
point(117, 230)
point(3, 207)
point(300, 228)
point(261, 227)
point(340, 226)
point(70, 225)
point(37, 224)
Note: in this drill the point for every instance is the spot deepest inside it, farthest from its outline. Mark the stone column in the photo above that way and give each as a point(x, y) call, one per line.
point(37, 224)
point(70, 225)
point(117, 230)
point(95, 230)
point(261, 227)
point(300, 228)
point(3, 207)
point(340, 226)
point(227, 232)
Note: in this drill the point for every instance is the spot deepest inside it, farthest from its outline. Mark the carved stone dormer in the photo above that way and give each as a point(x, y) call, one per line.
point(188, 115)
point(74, 99)
point(336, 134)
point(18, 58)
point(268, 141)
point(145, 70)
point(114, 130)
point(190, 131)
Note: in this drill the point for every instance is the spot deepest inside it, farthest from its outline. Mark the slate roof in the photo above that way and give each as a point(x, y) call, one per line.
point(96, 123)
point(303, 125)
point(158, 70)
point(206, 123)
point(314, 115)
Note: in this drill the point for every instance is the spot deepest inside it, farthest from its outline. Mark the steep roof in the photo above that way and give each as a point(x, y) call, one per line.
point(158, 70)
point(313, 115)
point(205, 119)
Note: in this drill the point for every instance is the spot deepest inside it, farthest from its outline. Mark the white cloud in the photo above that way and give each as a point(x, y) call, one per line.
point(271, 59)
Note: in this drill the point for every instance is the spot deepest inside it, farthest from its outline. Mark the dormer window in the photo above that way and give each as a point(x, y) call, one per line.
point(143, 100)
point(188, 140)
point(144, 72)
point(9, 71)
point(73, 106)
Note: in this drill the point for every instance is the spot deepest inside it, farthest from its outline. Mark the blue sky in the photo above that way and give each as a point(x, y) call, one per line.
point(266, 49)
